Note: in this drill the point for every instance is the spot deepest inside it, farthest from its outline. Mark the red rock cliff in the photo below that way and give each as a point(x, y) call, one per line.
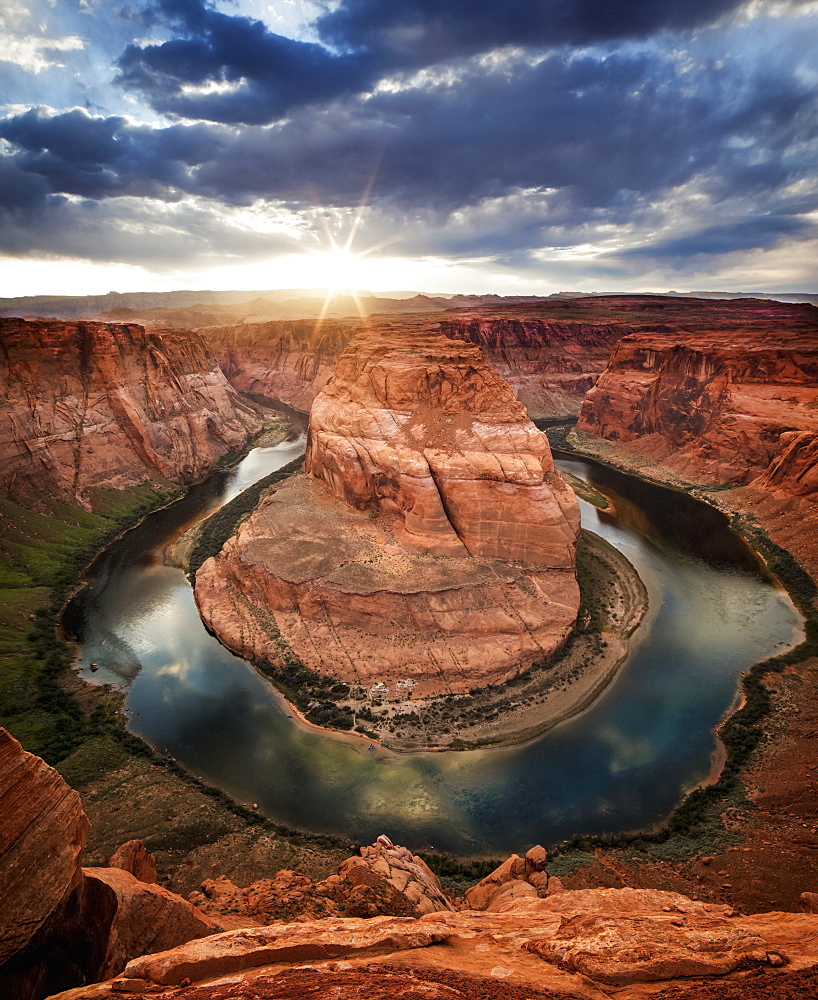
point(104, 404)
point(550, 363)
point(418, 450)
point(61, 924)
point(731, 403)
point(421, 428)
point(288, 361)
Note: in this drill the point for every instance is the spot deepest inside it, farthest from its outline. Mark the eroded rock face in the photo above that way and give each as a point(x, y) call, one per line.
point(422, 429)
point(106, 404)
point(144, 918)
point(42, 834)
point(290, 361)
point(732, 404)
point(417, 450)
point(575, 944)
point(549, 362)
point(60, 924)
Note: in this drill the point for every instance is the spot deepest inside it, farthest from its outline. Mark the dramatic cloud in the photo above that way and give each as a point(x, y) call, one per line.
point(559, 134)
point(233, 69)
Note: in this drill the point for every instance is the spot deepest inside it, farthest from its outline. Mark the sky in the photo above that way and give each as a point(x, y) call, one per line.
point(515, 147)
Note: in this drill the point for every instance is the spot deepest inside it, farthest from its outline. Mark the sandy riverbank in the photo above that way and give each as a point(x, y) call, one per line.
point(615, 602)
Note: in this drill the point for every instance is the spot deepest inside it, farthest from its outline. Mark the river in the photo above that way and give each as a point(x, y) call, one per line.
point(622, 764)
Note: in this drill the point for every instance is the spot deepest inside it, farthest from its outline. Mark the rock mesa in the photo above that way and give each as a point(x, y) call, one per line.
point(431, 546)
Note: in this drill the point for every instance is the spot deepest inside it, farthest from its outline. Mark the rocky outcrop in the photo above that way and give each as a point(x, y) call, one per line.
point(732, 404)
point(515, 878)
point(525, 942)
point(144, 918)
point(42, 834)
point(93, 405)
point(417, 450)
point(60, 924)
point(579, 944)
point(133, 857)
point(383, 880)
point(549, 362)
point(424, 431)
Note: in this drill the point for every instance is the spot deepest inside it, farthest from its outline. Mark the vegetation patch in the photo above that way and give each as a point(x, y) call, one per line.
point(457, 875)
point(222, 525)
point(42, 553)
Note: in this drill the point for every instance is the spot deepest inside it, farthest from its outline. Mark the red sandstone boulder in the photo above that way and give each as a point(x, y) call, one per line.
point(809, 902)
point(135, 858)
point(145, 918)
point(515, 878)
point(233, 951)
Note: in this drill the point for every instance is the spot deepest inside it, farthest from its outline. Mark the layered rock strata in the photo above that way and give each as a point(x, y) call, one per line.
point(290, 361)
point(732, 404)
point(584, 945)
point(431, 547)
point(108, 405)
point(550, 363)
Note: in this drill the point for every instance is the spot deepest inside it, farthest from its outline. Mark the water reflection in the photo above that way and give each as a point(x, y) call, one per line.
point(622, 764)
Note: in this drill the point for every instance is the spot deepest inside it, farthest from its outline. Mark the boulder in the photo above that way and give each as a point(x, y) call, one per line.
point(135, 858)
point(515, 878)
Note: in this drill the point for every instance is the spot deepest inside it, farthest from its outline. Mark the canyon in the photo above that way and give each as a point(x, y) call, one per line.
point(717, 398)
point(430, 513)
point(728, 405)
point(550, 359)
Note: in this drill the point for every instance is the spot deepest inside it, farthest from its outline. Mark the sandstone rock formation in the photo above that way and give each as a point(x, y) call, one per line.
point(133, 857)
point(549, 361)
point(60, 924)
point(515, 878)
point(384, 880)
point(575, 944)
point(417, 450)
point(731, 403)
point(41, 873)
point(290, 361)
point(108, 405)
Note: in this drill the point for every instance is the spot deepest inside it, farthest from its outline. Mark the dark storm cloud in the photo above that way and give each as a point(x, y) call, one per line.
point(97, 158)
point(272, 73)
point(746, 234)
point(605, 135)
point(233, 69)
point(423, 31)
